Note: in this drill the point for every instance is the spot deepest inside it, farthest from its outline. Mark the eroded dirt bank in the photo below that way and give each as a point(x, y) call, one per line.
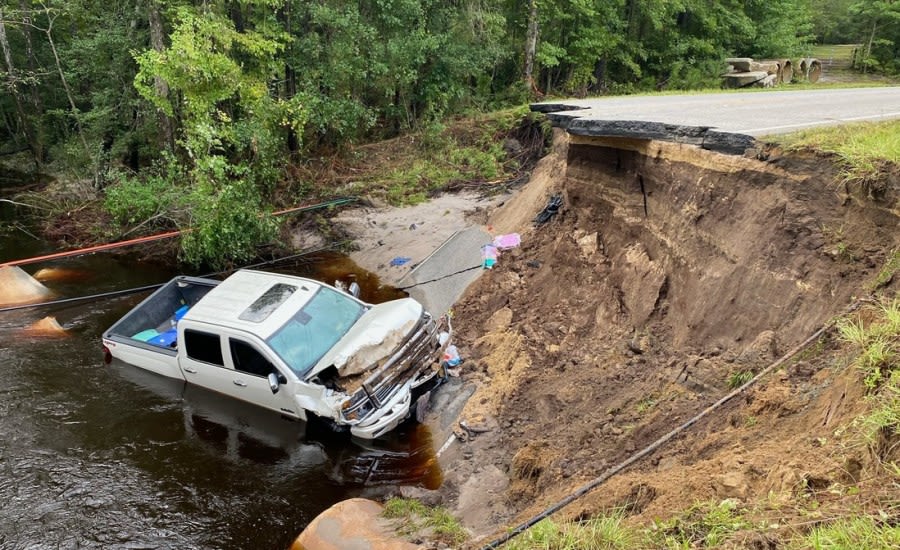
point(668, 271)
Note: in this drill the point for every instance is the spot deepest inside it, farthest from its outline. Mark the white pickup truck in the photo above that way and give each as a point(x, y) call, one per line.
point(289, 344)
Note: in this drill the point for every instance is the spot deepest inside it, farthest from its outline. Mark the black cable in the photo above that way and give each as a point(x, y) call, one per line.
point(596, 482)
point(440, 278)
point(82, 298)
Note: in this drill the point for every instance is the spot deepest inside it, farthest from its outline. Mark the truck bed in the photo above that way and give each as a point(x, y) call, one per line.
point(153, 322)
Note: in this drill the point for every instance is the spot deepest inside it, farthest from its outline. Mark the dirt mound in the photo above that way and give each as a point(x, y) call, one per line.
point(670, 273)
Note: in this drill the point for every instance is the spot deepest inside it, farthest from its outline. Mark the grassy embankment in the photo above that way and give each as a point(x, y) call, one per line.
point(865, 152)
point(481, 151)
point(487, 152)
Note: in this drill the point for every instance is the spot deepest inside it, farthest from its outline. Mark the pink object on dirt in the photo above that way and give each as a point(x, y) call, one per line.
point(504, 242)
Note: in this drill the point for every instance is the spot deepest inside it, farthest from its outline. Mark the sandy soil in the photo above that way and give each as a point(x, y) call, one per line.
point(382, 234)
point(668, 271)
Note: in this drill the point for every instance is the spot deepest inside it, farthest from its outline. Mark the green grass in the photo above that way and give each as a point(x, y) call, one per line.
point(600, 533)
point(704, 525)
point(864, 150)
point(832, 52)
point(877, 338)
point(878, 342)
point(455, 153)
point(852, 534)
point(433, 523)
point(645, 405)
point(887, 273)
point(739, 378)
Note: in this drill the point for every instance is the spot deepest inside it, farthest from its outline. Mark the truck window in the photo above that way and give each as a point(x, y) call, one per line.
point(203, 346)
point(313, 330)
point(247, 359)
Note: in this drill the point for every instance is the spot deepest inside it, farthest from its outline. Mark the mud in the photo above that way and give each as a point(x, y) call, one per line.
point(669, 270)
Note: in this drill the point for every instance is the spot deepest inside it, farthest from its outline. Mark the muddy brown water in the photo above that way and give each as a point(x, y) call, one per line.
point(110, 456)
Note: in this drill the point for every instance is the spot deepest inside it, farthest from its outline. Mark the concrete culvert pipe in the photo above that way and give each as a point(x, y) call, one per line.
point(740, 64)
point(787, 70)
point(814, 71)
point(803, 65)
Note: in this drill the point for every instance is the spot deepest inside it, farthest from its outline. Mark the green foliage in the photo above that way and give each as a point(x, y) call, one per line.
point(444, 155)
point(133, 200)
point(645, 405)
point(853, 533)
point(878, 342)
point(606, 532)
point(228, 225)
point(739, 378)
point(232, 127)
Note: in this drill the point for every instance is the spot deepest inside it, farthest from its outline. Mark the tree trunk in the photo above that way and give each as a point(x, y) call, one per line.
point(14, 90)
point(167, 135)
point(531, 44)
point(62, 77)
point(290, 79)
point(37, 104)
point(869, 44)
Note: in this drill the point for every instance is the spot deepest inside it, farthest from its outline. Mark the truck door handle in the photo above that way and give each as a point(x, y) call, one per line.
point(240, 383)
point(190, 370)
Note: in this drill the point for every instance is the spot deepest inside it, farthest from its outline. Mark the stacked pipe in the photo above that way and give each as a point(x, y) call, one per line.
point(745, 72)
point(810, 69)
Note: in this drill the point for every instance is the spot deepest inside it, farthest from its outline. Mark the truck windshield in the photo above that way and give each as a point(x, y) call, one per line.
point(303, 340)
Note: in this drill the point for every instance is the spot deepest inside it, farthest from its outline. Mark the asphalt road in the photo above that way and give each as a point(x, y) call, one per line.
point(755, 114)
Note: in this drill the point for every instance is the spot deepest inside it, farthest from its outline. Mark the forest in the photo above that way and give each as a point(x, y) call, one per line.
point(199, 107)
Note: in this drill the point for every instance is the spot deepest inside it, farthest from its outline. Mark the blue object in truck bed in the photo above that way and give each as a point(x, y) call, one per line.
point(165, 340)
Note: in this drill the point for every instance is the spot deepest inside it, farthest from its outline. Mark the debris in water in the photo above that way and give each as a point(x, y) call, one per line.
point(48, 326)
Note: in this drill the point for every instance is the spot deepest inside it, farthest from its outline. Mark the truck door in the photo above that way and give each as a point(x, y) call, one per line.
point(203, 362)
point(251, 372)
point(236, 368)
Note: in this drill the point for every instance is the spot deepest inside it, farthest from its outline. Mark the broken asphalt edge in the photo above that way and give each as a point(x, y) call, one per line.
point(568, 118)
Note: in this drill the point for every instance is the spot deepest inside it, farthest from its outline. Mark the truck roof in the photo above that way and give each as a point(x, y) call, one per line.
point(254, 301)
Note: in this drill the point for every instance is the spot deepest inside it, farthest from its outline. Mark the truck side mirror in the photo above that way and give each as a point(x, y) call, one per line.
point(274, 383)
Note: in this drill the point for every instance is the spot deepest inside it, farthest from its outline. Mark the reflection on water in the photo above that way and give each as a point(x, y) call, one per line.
point(110, 456)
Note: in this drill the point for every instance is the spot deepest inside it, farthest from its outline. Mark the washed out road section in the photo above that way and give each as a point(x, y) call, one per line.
point(719, 121)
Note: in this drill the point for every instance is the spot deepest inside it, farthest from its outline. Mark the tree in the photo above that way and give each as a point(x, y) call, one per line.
point(217, 77)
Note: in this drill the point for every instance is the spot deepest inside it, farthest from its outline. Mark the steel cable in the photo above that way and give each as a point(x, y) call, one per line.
point(596, 482)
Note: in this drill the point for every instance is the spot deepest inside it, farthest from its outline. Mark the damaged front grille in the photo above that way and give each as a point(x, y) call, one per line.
point(418, 353)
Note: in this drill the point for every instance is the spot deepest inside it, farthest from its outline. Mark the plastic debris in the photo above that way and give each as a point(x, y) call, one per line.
point(451, 356)
point(549, 211)
point(505, 242)
point(400, 260)
point(489, 255)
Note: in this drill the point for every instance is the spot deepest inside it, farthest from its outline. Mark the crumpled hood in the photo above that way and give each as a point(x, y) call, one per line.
point(374, 336)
